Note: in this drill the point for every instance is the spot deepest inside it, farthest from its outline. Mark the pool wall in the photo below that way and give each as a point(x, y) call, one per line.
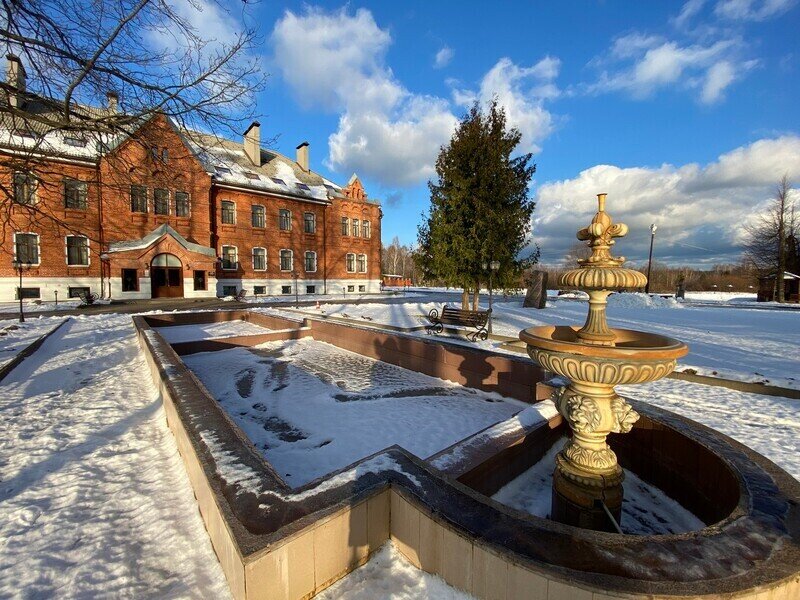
point(277, 542)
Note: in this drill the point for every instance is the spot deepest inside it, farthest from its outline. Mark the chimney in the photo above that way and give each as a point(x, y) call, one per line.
point(15, 78)
point(302, 156)
point(113, 101)
point(252, 143)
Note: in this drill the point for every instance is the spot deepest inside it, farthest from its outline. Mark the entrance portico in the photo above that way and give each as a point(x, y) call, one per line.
point(163, 264)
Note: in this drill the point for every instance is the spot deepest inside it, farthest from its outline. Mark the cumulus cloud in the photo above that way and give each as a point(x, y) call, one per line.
point(443, 57)
point(699, 210)
point(336, 60)
point(688, 12)
point(751, 10)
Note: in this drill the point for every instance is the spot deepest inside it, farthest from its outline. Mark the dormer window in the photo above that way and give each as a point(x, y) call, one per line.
point(75, 141)
point(26, 133)
point(303, 186)
point(222, 170)
point(251, 175)
point(278, 180)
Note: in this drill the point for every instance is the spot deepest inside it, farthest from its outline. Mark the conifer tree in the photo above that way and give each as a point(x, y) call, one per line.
point(480, 209)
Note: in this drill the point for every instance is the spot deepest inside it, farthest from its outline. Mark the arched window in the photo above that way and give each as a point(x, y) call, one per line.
point(166, 260)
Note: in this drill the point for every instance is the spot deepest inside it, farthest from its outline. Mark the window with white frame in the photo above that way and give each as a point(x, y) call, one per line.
point(228, 213)
point(26, 248)
point(287, 260)
point(345, 226)
point(259, 259)
point(75, 193)
point(25, 185)
point(311, 262)
point(285, 219)
point(77, 251)
point(230, 258)
point(362, 263)
point(350, 261)
point(310, 222)
point(138, 198)
point(355, 227)
point(258, 216)
point(366, 229)
point(160, 201)
point(181, 204)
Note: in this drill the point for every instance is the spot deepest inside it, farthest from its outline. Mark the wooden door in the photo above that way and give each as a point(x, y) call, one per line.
point(166, 282)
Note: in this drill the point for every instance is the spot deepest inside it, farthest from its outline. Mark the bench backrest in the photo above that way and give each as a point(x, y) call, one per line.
point(467, 317)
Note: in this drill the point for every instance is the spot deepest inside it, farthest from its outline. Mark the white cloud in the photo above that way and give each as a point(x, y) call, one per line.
point(336, 60)
point(521, 91)
point(443, 57)
point(751, 10)
point(642, 65)
point(688, 12)
point(699, 209)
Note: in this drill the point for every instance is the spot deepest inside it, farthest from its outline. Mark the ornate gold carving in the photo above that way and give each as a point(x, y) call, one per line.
point(624, 415)
point(581, 411)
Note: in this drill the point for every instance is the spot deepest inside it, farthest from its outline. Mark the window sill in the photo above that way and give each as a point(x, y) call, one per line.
point(78, 266)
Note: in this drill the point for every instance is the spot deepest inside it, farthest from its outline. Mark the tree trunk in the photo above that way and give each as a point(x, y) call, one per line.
point(476, 297)
point(465, 299)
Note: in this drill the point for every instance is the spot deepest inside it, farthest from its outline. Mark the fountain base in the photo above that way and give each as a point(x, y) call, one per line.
point(579, 496)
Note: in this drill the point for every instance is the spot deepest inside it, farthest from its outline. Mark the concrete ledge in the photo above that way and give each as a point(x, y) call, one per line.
point(6, 369)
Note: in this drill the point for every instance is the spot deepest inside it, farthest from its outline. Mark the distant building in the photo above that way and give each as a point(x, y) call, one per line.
point(395, 281)
point(174, 213)
point(791, 287)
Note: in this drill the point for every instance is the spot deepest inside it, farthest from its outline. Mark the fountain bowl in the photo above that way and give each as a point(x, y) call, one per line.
point(636, 357)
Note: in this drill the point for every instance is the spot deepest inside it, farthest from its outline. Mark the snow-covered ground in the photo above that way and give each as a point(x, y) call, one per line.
point(34, 307)
point(646, 510)
point(207, 331)
point(15, 336)
point(94, 498)
point(389, 576)
point(731, 342)
point(313, 408)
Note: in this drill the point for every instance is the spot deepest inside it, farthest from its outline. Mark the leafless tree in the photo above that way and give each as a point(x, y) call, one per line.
point(769, 234)
point(96, 70)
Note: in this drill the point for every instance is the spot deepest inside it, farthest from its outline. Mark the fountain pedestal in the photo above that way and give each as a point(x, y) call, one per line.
point(587, 482)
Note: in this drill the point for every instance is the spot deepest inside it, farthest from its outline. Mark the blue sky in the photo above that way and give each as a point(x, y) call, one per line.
point(686, 114)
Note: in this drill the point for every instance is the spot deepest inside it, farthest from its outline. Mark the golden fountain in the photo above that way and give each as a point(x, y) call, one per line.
point(587, 482)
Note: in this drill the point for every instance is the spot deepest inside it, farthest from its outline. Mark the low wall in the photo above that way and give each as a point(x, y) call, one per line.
point(277, 542)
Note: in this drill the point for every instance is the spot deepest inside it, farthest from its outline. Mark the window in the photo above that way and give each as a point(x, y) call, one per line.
point(330, 188)
point(286, 260)
point(351, 288)
point(259, 259)
point(311, 289)
point(25, 186)
point(286, 289)
point(362, 263)
point(311, 262)
point(138, 198)
point(199, 278)
point(130, 280)
point(362, 288)
point(77, 251)
point(26, 248)
point(229, 290)
point(75, 141)
point(351, 263)
point(278, 180)
point(75, 193)
point(259, 289)
point(285, 219)
point(251, 175)
point(29, 293)
point(365, 228)
point(181, 204)
point(345, 226)
point(222, 170)
point(257, 216)
point(310, 222)
point(355, 227)
point(230, 258)
point(160, 201)
point(78, 292)
point(303, 186)
point(228, 212)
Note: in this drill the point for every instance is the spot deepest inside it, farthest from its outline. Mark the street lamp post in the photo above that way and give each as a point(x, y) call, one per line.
point(653, 228)
point(296, 298)
point(491, 267)
point(19, 265)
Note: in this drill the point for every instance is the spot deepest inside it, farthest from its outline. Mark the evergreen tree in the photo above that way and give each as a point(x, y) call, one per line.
point(480, 210)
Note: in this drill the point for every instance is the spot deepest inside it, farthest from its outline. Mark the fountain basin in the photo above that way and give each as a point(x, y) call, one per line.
point(637, 357)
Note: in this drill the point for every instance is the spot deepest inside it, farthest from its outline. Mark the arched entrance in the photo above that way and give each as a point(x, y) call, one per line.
point(166, 276)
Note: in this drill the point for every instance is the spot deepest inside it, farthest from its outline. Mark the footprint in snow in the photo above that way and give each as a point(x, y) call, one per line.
point(29, 515)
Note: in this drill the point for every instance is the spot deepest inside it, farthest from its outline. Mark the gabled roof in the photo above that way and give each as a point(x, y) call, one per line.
point(786, 275)
point(156, 235)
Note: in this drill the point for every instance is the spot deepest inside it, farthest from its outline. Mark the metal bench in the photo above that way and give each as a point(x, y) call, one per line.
point(462, 318)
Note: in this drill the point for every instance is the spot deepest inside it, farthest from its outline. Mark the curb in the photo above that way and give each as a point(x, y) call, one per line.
point(6, 369)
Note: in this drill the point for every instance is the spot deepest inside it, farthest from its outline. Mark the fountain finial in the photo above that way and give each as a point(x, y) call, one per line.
point(600, 274)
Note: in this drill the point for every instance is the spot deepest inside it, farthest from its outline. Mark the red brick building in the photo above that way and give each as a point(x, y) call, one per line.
point(169, 212)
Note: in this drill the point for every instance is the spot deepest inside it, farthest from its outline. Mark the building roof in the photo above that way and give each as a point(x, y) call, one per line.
point(154, 236)
point(786, 275)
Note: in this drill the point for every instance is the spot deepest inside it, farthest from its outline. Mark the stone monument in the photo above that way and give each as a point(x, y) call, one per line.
point(536, 294)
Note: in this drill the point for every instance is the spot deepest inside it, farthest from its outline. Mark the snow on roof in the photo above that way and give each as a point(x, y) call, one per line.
point(154, 236)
